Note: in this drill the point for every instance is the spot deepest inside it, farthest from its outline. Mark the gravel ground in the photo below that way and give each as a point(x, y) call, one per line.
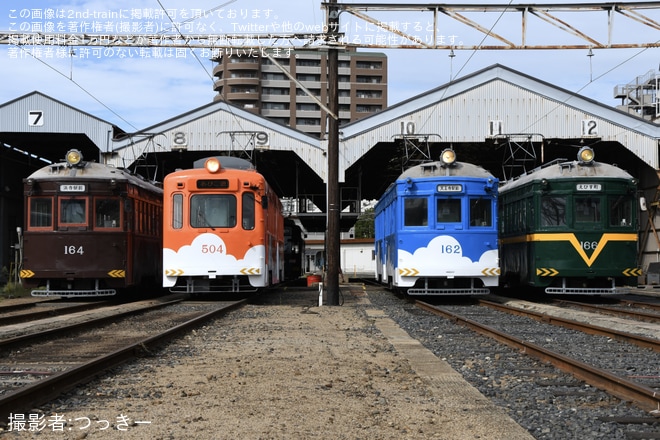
point(283, 370)
point(287, 369)
point(551, 405)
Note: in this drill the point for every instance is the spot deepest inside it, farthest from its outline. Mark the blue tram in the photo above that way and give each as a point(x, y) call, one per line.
point(436, 230)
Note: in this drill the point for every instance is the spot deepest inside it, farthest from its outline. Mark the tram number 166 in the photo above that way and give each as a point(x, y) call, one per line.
point(589, 245)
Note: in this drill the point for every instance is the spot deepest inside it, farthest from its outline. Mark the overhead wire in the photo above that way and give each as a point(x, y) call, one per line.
point(70, 78)
point(540, 118)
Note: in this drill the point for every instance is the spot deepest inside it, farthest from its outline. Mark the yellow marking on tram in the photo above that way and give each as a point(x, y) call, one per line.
point(26, 273)
point(573, 240)
point(405, 272)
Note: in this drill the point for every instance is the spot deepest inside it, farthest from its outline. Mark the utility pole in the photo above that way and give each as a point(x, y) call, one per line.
point(333, 208)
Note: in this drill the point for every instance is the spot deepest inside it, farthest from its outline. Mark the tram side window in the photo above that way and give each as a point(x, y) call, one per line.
point(213, 211)
point(480, 212)
point(107, 213)
point(449, 210)
point(415, 212)
point(41, 212)
point(248, 210)
point(553, 211)
point(620, 210)
point(587, 210)
point(177, 211)
point(73, 211)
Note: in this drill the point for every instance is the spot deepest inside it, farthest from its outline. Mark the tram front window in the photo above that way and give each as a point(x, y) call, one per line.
point(449, 210)
point(107, 213)
point(587, 210)
point(41, 212)
point(73, 211)
point(620, 210)
point(480, 212)
point(553, 211)
point(415, 212)
point(213, 211)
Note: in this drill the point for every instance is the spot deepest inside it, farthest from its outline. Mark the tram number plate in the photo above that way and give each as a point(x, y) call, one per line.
point(212, 249)
point(451, 249)
point(72, 250)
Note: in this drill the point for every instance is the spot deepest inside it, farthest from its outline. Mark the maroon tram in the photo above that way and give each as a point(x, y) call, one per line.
point(90, 230)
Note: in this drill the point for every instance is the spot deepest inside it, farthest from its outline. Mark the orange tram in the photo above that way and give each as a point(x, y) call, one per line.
point(223, 228)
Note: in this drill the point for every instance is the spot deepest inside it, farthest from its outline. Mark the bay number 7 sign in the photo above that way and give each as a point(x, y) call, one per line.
point(35, 118)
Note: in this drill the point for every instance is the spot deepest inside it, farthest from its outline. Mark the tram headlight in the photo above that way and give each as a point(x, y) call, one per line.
point(448, 156)
point(73, 157)
point(586, 155)
point(212, 165)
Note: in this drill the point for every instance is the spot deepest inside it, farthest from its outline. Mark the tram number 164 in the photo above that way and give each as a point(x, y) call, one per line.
point(72, 250)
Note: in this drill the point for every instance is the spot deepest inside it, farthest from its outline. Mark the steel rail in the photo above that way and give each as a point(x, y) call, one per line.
point(641, 305)
point(47, 389)
point(650, 317)
point(50, 313)
point(25, 305)
point(642, 396)
point(4, 343)
point(639, 340)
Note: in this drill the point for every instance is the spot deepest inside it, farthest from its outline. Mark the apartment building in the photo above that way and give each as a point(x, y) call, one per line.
point(259, 85)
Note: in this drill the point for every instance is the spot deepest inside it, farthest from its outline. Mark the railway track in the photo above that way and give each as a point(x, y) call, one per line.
point(549, 402)
point(624, 308)
point(51, 358)
point(620, 386)
point(44, 310)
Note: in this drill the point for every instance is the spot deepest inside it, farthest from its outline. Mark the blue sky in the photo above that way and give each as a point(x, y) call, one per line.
point(134, 91)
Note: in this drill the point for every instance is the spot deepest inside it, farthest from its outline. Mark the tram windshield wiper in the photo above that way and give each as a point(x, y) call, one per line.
point(202, 217)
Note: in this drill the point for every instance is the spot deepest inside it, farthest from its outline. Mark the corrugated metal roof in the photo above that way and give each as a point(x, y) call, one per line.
point(220, 126)
point(465, 110)
point(36, 113)
point(468, 109)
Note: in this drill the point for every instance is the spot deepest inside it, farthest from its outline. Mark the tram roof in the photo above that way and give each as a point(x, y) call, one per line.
point(59, 172)
point(568, 170)
point(437, 168)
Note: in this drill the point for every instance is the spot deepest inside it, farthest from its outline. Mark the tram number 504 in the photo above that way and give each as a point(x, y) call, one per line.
point(212, 249)
point(72, 250)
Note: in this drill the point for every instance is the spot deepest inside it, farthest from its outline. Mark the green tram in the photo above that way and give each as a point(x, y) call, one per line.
point(570, 227)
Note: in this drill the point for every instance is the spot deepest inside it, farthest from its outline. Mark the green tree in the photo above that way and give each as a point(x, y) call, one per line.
point(364, 226)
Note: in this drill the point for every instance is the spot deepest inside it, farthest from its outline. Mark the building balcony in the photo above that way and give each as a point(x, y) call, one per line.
point(242, 96)
point(272, 113)
point(243, 81)
point(243, 65)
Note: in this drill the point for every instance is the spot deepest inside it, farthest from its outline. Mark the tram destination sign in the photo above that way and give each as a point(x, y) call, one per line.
point(449, 188)
point(69, 187)
point(588, 187)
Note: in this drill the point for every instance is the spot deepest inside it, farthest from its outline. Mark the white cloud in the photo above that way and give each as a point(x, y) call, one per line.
point(208, 252)
point(443, 256)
